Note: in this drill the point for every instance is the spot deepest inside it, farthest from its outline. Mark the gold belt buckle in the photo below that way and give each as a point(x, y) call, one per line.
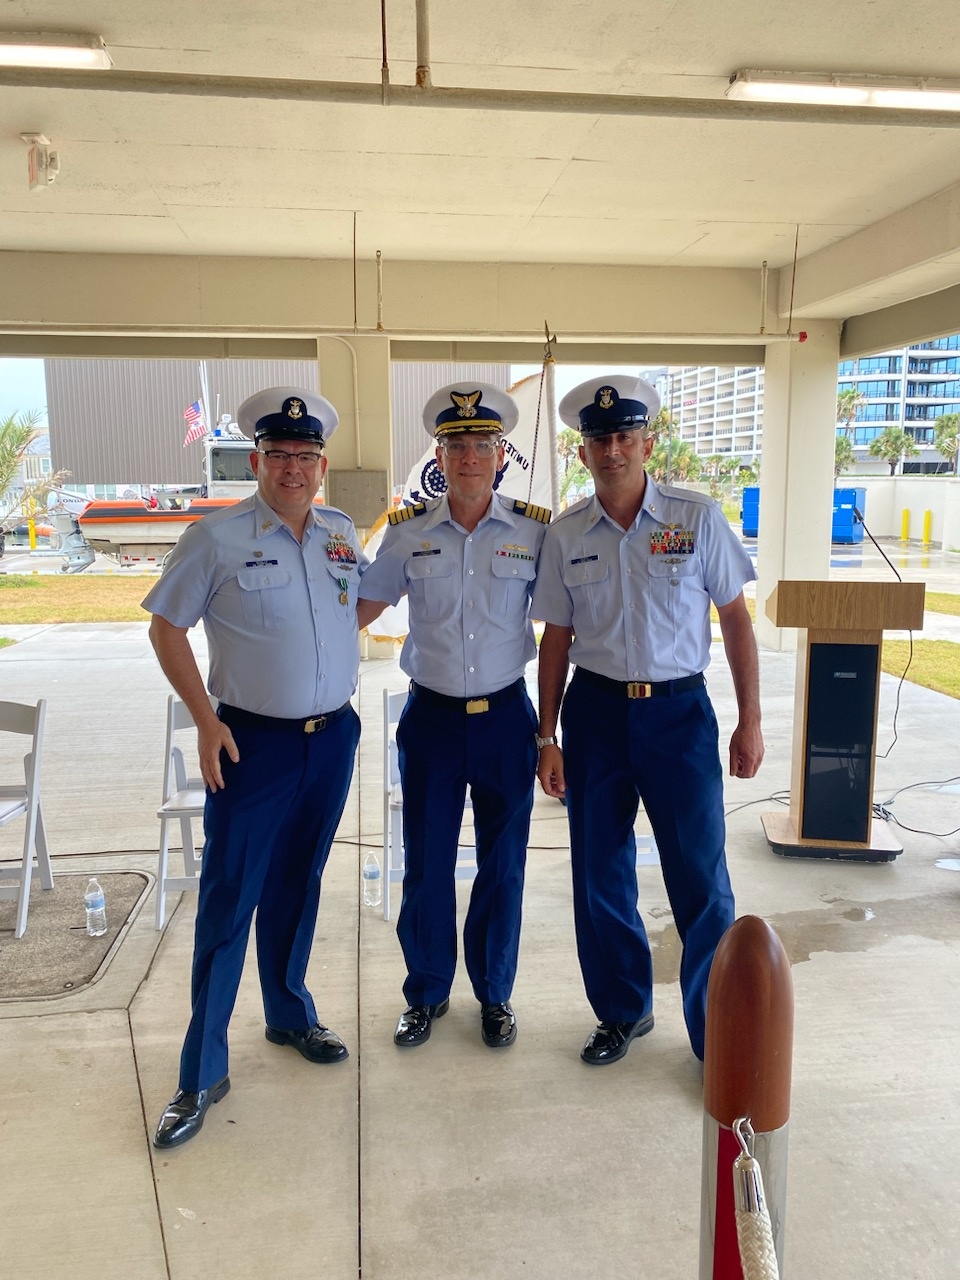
point(476, 705)
point(639, 689)
point(314, 725)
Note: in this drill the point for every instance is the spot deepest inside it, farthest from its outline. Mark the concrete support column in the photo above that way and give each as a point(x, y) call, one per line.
point(796, 477)
point(951, 517)
point(355, 377)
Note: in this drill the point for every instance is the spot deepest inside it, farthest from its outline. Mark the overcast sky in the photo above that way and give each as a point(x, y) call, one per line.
point(22, 387)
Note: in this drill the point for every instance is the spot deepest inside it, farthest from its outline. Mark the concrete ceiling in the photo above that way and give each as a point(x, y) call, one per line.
point(872, 208)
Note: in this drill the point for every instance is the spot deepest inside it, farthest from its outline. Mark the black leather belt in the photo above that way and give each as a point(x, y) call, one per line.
point(235, 715)
point(470, 706)
point(640, 688)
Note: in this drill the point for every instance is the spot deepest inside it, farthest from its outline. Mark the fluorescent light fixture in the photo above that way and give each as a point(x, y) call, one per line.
point(917, 93)
point(53, 49)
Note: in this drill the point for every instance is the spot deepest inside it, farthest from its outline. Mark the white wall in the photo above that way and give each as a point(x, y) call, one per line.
point(888, 496)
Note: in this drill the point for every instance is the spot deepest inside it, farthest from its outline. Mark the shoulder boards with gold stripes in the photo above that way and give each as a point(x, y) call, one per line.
point(407, 513)
point(532, 510)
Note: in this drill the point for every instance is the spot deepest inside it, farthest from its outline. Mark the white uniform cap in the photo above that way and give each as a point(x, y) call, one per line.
point(600, 406)
point(470, 406)
point(288, 413)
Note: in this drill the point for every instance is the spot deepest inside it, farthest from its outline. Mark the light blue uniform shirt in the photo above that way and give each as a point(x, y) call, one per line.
point(280, 615)
point(639, 599)
point(468, 595)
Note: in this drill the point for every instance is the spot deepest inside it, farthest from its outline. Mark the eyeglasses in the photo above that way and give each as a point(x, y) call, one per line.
point(280, 457)
point(482, 448)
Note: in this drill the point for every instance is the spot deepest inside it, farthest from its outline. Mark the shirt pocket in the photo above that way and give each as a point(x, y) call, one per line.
point(677, 589)
point(345, 578)
point(433, 590)
point(589, 584)
point(510, 584)
point(262, 596)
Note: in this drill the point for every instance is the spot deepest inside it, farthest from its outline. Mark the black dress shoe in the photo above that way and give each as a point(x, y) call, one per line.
point(317, 1044)
point(498, 1025)
point(415, 1023)
point(611, 1040)
point(184, 1114)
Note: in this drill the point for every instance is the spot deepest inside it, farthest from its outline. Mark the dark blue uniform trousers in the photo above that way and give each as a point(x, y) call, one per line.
point(663, 751)
point(268, 834)
point(442, 750)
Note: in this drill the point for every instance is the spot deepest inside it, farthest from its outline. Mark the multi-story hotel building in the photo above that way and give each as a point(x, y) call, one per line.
point(720, 410)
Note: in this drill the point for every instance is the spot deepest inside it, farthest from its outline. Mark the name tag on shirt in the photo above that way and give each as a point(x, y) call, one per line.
point(255, 564)
point(429, 551)
point(584, 559)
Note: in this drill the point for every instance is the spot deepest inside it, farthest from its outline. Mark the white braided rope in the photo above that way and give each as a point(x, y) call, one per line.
point(758, 1257)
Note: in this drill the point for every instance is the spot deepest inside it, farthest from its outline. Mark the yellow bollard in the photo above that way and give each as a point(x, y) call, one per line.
point(32, 533)
point(905, 524)
point(927, 527)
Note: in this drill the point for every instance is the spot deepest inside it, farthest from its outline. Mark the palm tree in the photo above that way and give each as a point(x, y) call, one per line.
point(848, 402)
point(843, 455)
point(661, 425)
point(673, 459)
point(573, 474)
point(891, 445)
point(946, 431)
point(17, 433)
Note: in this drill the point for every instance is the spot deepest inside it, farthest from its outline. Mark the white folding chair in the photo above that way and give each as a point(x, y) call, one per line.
point(393, 704)
point(23, 800)
point(182, 801)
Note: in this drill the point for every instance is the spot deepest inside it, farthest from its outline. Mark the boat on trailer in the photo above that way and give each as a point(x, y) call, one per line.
point(138, 535)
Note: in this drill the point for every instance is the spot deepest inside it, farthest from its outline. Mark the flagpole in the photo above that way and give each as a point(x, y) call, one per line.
point(205, 397)
point(550, 366)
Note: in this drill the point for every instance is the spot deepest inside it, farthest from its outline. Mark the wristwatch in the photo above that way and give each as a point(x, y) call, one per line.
point(544, 742)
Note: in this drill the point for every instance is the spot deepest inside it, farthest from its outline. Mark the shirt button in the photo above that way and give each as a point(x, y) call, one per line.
point(514, 573)
point(674, 582)
point(470, 571)
point(470, 669)
point(632, 605)
point(429, 571)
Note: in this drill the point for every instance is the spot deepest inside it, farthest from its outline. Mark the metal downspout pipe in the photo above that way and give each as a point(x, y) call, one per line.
point(262, 89)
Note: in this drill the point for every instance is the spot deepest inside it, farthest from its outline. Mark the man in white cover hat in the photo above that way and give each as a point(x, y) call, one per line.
point(466, 562)
point(274, 579)
point(625, 585)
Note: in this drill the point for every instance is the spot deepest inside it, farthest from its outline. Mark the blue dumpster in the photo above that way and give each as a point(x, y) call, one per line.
point(750, 511)
point(846, 526)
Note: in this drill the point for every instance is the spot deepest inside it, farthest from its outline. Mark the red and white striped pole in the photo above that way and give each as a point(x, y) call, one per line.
point(746, 1072)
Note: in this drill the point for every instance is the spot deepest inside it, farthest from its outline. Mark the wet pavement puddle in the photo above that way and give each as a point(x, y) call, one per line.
point(840, 926)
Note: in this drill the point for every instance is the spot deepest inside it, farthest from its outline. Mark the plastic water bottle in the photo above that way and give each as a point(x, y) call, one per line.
point(372, 885)
point(96, 907)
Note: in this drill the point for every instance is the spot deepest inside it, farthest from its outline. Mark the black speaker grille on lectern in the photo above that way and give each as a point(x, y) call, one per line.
point(838, 744)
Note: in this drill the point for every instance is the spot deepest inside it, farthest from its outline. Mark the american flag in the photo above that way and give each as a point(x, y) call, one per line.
point(196, 427)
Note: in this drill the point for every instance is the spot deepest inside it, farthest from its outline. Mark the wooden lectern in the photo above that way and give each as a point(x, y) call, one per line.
point(835, 714)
